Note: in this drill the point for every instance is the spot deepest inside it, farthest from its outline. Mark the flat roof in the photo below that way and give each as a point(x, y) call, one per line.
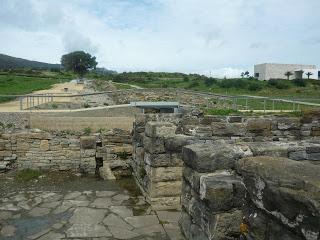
point(155, 104)
point(312, 66)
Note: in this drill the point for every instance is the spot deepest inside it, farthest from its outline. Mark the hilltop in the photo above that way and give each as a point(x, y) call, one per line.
point(9, 62)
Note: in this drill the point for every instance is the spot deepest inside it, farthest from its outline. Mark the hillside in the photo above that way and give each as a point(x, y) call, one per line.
point(8, 62)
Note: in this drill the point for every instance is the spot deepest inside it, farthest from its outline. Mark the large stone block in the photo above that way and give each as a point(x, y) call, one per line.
point(44, 145)
point(289, 123)
point(163, 160)
point(160, 129)
point(275, 149)
point(286, 189)
point(165, 189)
point(176, 143)
point(163, 174)
point(212, 157)
point(154, 145)
point(228, 129)
point(88, 142)
point(259, 126)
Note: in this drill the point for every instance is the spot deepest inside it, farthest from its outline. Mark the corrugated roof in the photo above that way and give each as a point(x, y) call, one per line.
point(155, 104)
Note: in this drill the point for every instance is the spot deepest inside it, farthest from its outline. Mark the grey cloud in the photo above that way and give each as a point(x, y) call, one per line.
point(74, 41)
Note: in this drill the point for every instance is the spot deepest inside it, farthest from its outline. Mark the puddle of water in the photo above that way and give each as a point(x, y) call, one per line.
point(27, 226)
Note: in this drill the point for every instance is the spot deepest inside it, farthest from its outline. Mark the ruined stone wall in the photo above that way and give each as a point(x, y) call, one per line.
point(158, 140)
point(222, 183)
point(66, 150)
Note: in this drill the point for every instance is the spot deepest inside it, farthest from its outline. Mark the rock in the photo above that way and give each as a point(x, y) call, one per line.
point(161, 174)
point(44, 145)
point(259, 126)
point(154, 145)
point(88, 142)
point(212, 157)
point(85, 230)
point(292, 186)
point(39, 211)
point(106, 173)
point(115, 221)
point(120, 233)
point(101, 203)
point(8, 231)
point(142, 221)
point(289, 123)
point(163, 160)
point(88, 216)
point(160, 129)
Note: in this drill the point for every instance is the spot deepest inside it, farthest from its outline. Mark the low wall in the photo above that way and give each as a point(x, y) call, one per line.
point(227, 191)
point(158, 140)
point(80, 123)
point(65, 150)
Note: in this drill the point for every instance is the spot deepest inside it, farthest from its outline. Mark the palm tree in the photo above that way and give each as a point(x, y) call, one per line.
point(309, 74)
point(288, 74)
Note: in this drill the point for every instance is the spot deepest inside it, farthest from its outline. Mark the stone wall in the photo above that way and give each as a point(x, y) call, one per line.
point(158, 140)
point(66, 150)
point(215, 198)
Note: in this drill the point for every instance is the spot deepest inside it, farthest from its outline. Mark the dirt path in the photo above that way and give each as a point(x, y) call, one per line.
point(57, 89)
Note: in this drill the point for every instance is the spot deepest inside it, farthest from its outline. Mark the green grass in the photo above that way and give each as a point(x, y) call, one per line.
point(18, 84)
point(222, 112)
point(27, 175)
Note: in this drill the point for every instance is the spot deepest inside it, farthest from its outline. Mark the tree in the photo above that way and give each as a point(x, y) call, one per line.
point(79, 62)
point(309, 74)
point(288, 74)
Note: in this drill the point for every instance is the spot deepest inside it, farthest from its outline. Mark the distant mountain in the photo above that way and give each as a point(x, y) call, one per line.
point(8, 62)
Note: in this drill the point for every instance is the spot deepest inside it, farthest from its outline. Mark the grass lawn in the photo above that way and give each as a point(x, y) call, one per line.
point(19, 84)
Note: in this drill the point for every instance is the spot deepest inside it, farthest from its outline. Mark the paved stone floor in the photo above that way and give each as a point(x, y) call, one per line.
point(83, 213)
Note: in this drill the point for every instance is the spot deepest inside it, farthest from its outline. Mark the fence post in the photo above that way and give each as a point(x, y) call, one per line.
point(264, 105)
point(21, 106)
point(273, 104)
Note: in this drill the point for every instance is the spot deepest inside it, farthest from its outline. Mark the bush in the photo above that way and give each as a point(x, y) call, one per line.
point(278, 83)
point(193, 84)
point(254, 86)
point(87, 131)
point(234, 83)
point(300, 82)
point(27, 175)
point(209, 81)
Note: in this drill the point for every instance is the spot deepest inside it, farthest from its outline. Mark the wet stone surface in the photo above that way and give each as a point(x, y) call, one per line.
point(80, 208)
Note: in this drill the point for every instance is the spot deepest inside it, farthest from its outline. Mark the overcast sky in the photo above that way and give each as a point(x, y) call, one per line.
point(223, 37)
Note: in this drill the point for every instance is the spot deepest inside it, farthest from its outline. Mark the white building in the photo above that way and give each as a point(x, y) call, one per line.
point(267, 71)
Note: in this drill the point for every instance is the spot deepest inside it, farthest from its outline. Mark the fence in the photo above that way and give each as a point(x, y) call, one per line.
point(208, 100)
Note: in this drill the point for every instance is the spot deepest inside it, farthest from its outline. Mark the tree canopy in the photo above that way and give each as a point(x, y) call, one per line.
point(79, 62)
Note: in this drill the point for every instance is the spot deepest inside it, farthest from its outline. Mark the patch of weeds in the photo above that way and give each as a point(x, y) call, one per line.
point(87, 105)
point(27, 175)
point(10, 125)
point(222, 112)
point(87, 131)
point(123, 155)
point(54, 105)
point(101, 130)
point(163, 222)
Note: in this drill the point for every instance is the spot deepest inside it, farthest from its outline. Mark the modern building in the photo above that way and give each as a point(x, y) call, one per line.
point(157, 107)
point(267, 71)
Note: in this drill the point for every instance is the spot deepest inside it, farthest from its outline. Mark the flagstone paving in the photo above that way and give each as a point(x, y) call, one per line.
point(83, 214)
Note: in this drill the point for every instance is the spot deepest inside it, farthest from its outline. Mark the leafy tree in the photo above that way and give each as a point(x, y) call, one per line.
point(309, 74)
point(209, 81)
point(300, 82)
point(288, 74)
point(79, 62)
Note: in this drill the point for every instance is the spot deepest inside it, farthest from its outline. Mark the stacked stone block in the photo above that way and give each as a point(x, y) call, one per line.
point(88, 154)
point(41, 150)
point(7, 156)
point(282, 200)
point(212, 194)
point(115, 151)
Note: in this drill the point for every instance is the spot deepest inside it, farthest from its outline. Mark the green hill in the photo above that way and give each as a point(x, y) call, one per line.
point(8, 62)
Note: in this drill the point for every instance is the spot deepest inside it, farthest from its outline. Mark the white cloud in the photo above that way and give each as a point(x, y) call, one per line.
point(221, 36)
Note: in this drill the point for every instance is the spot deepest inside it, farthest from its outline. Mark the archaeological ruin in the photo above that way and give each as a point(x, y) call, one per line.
point(228, 177)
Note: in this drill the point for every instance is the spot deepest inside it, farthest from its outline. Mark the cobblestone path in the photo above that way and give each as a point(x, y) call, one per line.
point(83, 214)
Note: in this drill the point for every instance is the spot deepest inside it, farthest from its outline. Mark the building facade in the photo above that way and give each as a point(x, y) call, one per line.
point(267, 71)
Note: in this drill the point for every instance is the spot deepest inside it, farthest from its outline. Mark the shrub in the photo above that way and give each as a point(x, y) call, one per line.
point(193, 84)
point(27, 175)
point(123, 155)
point(87, 131)
point(282, 85)
point(254, 86)
point(300, 82)
point(234, 83)
point(209, 81)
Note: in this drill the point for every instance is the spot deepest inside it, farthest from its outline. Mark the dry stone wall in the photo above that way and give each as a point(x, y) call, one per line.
point(228, 185)
point(61, 150)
